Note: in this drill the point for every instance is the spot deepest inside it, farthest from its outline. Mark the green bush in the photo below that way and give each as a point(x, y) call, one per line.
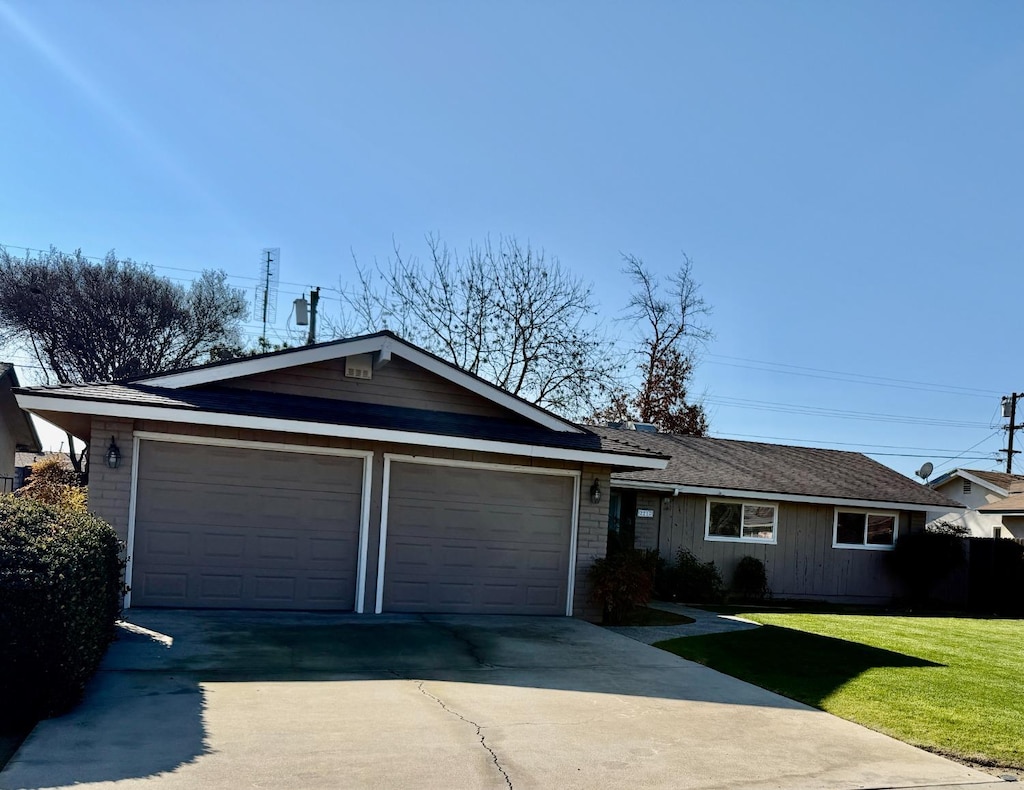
point(689, 580)
point(621, 582)
point(922, 559)
point(60, 595)
point(750, 581)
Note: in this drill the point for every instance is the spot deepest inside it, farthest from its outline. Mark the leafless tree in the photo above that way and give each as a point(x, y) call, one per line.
point(86, 321)
point(504, 311)
point(669, 321)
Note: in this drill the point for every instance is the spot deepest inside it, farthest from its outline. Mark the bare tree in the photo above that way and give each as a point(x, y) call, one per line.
point(86, 321)
point(669, 322)
point(505, 312)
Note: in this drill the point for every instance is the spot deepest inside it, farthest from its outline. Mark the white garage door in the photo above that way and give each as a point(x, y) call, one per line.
point(470, 540)
point(229, 527)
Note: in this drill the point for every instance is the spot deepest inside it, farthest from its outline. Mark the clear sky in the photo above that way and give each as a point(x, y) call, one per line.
point(848, 177)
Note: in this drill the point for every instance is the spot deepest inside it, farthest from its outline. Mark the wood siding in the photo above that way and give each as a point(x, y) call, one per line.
point(802, 564)
point(398, 383)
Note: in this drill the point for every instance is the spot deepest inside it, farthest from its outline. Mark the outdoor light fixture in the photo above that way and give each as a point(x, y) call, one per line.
point(113, 454)
point(595, 492)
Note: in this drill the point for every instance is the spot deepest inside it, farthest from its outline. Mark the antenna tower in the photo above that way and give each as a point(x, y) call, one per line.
point(266, 289)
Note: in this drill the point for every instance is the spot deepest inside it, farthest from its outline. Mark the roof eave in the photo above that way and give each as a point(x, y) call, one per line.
point(34, 400)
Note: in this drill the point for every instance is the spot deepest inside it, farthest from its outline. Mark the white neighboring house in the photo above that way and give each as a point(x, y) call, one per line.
point(977, 490)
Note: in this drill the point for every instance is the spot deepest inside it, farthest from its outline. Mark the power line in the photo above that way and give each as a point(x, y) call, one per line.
point(954, 458)
point(855, 378)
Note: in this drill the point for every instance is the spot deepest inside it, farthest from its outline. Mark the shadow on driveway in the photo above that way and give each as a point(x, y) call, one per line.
point(146, 711)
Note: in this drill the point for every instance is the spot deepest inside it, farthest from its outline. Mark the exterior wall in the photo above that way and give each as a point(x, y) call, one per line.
point(1013, 527)
point(980, 524)
point(7, 450)
point(398, 383)
point(802, 564)
point(110, 489)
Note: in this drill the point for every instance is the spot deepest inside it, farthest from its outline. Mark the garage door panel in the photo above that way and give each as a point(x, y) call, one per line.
point(232, 527)
point(474, 540)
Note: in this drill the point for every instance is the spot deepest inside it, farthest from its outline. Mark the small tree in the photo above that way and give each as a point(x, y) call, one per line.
point(670, 329)
point(53, 483)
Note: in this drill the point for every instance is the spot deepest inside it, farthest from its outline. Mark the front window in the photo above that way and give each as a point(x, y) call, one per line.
point(754, 522)
point(865, 529)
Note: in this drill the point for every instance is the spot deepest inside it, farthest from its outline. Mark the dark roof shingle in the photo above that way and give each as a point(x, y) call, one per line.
point(773, 469)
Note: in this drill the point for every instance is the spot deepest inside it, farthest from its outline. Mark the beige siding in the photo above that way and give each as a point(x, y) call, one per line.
point(398, 383)
point(802, 564)
point(109, 489)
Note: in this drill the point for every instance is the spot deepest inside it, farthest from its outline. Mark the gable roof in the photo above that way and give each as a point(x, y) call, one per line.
point(726, 467)
point(196, 397)
point(19, 422)
point(998, 482)
point(383, 344)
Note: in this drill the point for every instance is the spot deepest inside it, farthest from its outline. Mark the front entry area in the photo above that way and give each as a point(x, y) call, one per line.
point(477, 539)
point(245, 528)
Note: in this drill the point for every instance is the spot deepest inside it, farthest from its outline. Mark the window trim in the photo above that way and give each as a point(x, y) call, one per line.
point(865, 546)
point(732, 501)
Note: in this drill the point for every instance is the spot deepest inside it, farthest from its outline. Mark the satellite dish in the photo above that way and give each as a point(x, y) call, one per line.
point(925, 471)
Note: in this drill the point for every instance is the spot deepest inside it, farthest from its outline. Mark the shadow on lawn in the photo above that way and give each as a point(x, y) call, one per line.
point(802, 666)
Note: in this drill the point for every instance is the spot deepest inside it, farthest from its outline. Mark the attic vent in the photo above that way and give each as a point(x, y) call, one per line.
point(967, 486)
point(359, 367)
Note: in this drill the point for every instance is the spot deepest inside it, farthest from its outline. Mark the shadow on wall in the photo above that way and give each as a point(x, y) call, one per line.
point(807, 667)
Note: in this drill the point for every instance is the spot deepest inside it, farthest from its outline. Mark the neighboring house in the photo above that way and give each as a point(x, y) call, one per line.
point(1011, 511)
point(363, 474)
point(975, 489)
point(822, 521)
point(17, 433)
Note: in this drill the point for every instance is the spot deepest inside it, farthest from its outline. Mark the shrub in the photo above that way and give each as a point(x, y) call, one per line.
point(923, 559)
point(53, 483)
point(690, 580)
point(60, 595)
point(621, 582)
point(750, 581)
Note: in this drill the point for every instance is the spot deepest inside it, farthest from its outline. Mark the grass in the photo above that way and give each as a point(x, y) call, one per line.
point(642, 615)
point(948, 684)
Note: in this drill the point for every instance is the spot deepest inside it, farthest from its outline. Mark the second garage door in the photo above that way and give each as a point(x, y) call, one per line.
point(230, 527)
point(471, 540)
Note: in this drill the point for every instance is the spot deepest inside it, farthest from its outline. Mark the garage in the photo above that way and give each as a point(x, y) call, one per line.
point(242, 527)
point(477, 539)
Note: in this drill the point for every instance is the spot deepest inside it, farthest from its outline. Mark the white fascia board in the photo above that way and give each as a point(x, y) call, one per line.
point(386, 346)
point(771, 495)
point(197, 417)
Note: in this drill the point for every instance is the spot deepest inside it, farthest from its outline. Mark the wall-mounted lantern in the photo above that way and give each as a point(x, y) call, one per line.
point(595, 492)
point(113, 454)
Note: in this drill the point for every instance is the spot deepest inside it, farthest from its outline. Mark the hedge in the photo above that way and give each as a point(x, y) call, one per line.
point(60, 596)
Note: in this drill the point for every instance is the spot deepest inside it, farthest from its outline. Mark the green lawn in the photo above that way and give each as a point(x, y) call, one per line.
point(949, 684)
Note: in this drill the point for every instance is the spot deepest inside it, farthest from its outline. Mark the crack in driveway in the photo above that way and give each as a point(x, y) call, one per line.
point(479, 731)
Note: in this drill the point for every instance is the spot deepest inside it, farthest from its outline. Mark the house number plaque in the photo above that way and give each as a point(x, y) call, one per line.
point(644, 512)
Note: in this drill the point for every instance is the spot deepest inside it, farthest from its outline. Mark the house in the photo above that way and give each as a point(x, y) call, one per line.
point(24, 461)
point(821, 521)
point(17, 433)
point(362, 474)
point(975, 490)
point(1011, 513)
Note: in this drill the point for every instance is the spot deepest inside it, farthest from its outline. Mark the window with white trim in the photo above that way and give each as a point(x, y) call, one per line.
point(741, 520)
point(865, 529)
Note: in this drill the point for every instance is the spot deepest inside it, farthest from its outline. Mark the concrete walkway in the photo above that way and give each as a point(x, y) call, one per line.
point(220, 700)
point(704, 623)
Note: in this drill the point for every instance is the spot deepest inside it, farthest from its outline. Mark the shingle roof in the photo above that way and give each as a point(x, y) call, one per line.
point(230, 400)
point(1011, 505)
point(999, 479)
point(773, 468)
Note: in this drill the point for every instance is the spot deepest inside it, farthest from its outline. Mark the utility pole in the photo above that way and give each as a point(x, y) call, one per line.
point(314, 297)
point(1010, 411)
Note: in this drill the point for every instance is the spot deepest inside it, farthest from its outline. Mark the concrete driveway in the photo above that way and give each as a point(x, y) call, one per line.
point(228, 700)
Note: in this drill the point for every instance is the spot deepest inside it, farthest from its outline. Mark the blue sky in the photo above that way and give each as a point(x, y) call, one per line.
point(847, 177)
